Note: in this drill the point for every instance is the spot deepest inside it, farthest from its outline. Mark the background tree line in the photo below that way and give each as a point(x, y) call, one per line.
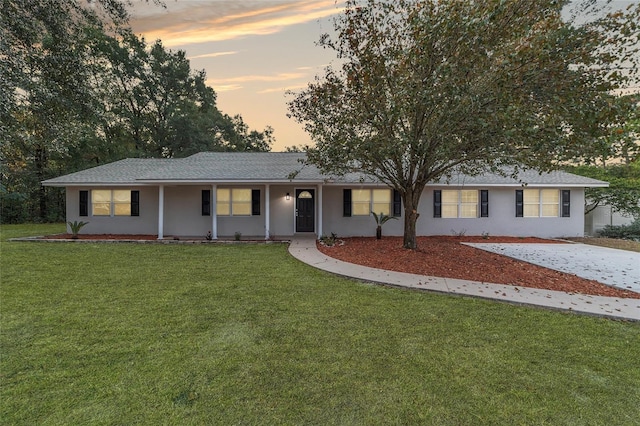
point(79, 89)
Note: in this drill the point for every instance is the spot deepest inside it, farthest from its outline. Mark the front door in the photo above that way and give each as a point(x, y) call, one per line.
point(305, 210)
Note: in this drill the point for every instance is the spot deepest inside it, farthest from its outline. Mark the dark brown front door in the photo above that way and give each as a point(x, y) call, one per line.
point(305, 210)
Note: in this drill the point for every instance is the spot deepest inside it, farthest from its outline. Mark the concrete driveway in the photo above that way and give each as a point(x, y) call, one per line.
point(618, 268)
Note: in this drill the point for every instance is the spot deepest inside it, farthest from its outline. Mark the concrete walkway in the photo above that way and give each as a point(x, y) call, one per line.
point(304, 249)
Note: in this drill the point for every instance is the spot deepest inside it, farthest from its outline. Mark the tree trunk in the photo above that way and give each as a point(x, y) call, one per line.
point(410, 219)
point(411, 200)
point(40, 157)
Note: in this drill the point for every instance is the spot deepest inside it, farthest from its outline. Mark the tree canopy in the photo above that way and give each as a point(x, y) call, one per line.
point(427, 88)
point(79, 89)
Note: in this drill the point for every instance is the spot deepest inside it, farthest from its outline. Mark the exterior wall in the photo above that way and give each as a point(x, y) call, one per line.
point(282, 211)
point(602, 216)
point(360, 226)
point(146, 223)
point(183, 215)
point(183, 212)
point(501, 220)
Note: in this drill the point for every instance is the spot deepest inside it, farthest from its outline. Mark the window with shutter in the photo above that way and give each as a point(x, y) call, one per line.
point(84, 203)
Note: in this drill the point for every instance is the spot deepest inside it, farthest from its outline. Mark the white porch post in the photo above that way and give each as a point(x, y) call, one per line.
point(319, 210)
point(214, 212)
point(160, 212)
point(267, 211)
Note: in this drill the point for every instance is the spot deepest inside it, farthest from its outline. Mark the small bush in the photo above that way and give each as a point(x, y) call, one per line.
point(623, 232)
point(329, 241)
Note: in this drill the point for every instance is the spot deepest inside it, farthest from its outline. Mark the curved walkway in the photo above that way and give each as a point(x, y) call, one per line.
point(304, 249)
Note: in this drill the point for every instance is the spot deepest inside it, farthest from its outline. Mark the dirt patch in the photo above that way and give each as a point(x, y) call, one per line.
point(447, 257)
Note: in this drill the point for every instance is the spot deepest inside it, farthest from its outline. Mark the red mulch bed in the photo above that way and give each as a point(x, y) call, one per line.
point(102, 237)
point(445, 256)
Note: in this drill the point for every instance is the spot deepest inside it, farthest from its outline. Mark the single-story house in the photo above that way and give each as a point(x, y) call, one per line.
point(272, 195)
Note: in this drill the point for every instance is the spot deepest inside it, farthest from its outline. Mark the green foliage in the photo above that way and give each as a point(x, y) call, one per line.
point(426, 89)
point(76, 226)
point(382, 218)
point(624, 232)
point(257, 337)
point(623, 193)
point(330, 240)
point(79, 89)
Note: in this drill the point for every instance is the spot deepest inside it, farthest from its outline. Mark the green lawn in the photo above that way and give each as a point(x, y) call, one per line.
point(245, 334)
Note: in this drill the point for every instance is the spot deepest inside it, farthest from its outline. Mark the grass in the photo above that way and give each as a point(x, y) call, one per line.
point(615, 243)
point(244, 334)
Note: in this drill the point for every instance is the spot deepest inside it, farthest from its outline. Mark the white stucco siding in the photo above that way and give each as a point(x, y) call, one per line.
point(282, 211)
point(361, 226)
point(183, 212)
point(146, 223)
point(502, 218)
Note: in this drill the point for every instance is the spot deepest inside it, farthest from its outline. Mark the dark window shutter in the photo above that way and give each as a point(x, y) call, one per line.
point(519, 203)
point(255, 202)
point(484, 203)
point(346, 206)
point(135, 203)
point(437, 203)
point(206, 202)
point(566, 203)
point(397, 204)
point(84, 203)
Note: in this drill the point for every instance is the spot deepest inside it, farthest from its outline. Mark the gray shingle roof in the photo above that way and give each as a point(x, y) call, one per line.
point(119, 172)
point(526, 177)
point(211, 167)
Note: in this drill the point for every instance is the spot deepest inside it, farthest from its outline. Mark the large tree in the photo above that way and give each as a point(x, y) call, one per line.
point(78, 89)
point(428, 88)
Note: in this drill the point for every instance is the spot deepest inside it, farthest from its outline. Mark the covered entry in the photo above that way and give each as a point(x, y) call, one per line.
point(305, 210)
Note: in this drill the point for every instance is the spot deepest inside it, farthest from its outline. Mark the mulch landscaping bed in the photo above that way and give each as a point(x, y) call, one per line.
point(445, 256)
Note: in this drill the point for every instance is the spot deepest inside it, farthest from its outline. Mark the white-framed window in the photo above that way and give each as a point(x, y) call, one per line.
point(114, 202)
point(541, 202)
point(365, 201)
point(459, 203)
point(233, 202)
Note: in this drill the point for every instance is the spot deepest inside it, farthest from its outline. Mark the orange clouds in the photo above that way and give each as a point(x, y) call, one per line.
point(191, 22)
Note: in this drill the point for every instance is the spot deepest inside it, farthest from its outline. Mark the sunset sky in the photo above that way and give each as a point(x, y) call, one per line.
point(252, 50)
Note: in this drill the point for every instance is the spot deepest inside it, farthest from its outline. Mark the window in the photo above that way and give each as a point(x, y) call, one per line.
point(238, 202)
point(206, 202)
point(542, 203)
point(114, 202)
point(465, 203)
point(361, 202)
point(84, 203)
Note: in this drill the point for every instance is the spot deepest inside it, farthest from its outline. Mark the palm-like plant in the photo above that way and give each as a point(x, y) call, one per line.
point(381, 219)
point(75, 227)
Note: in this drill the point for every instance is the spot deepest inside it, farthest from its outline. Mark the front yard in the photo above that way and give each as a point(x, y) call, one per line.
point(244, 334)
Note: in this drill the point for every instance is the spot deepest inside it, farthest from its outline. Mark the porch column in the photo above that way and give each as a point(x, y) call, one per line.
point(214, 212)
point(319, 210)
point(160, 212)
point(267, 211)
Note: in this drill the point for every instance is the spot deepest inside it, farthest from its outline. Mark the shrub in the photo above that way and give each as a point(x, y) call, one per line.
point(624, 232)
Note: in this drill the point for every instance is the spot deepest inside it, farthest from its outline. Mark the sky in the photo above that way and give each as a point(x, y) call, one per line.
point(253, 51)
